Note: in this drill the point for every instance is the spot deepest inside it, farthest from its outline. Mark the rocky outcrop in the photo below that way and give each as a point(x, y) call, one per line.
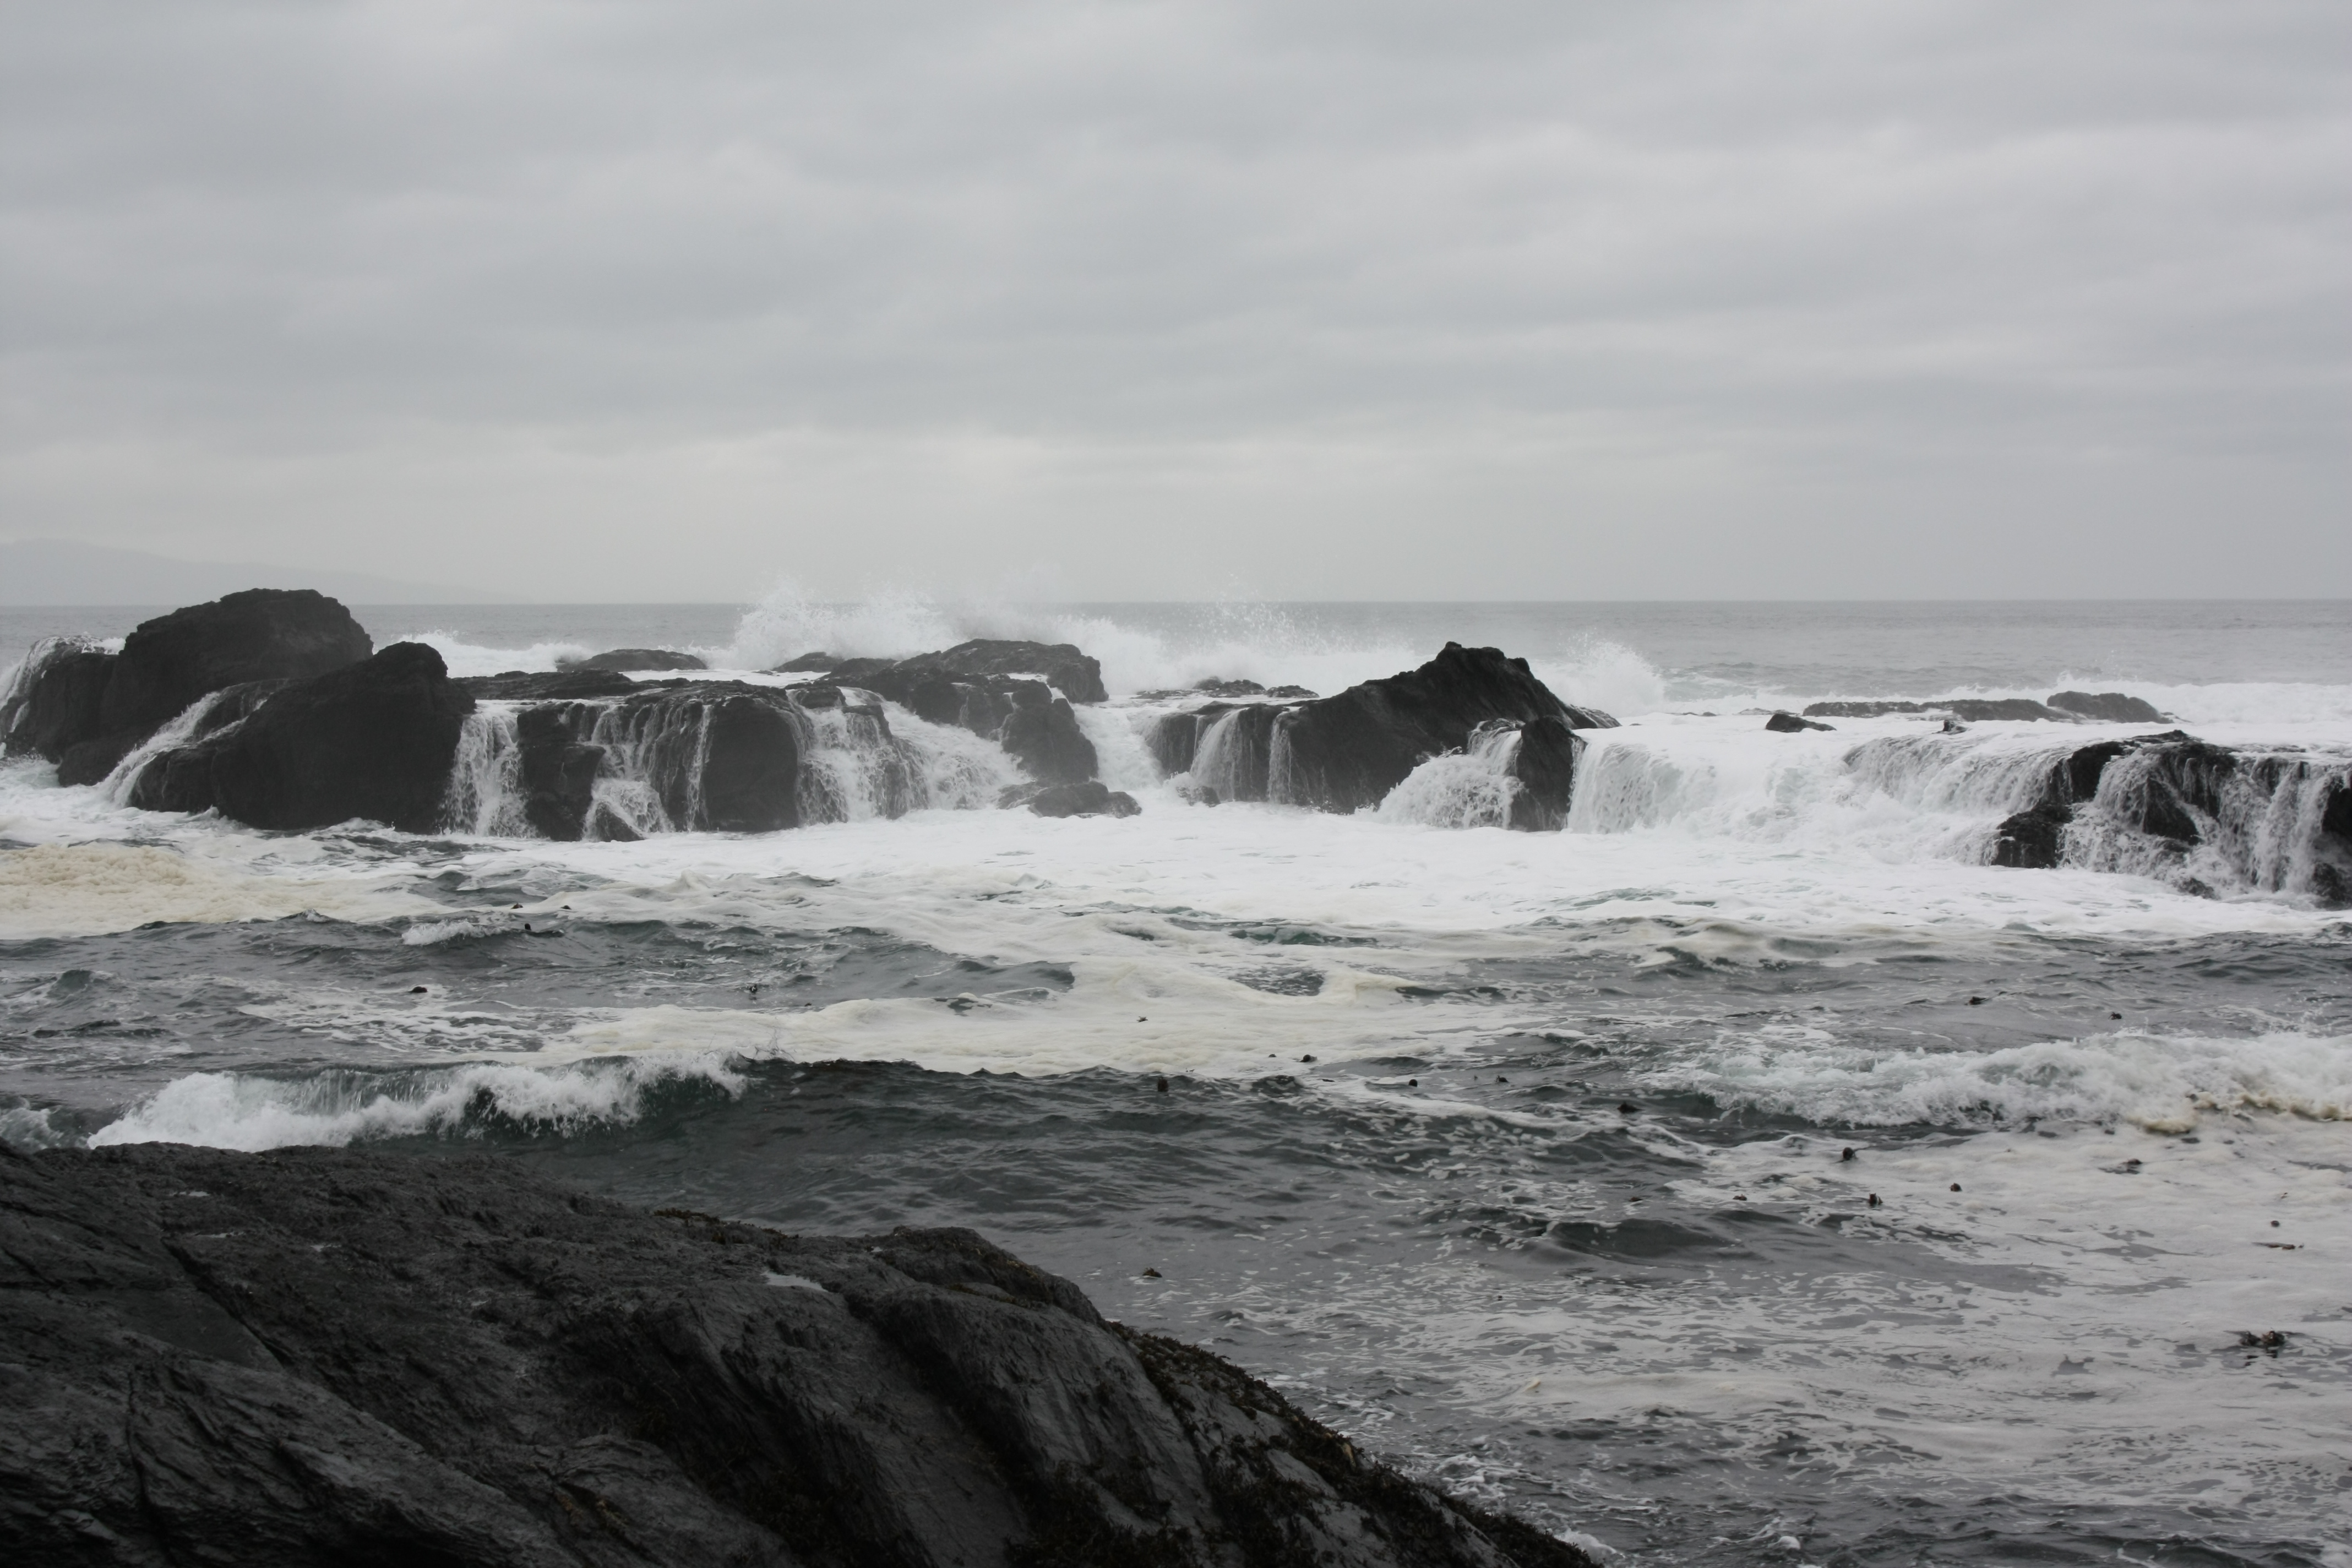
point(86, 710)
point(262, 634)
point(325, 1356)
point(1345, 752)
point(1974, 709)
point(1091, 798)
point(1786, 723)
point(372, 741)
point(58, 700)
point(621, 658)
point(1545, 765)
point(2182, 809)
point(1037, 728)
point(550, 685)
point(1070, 672)
point(2107, 707)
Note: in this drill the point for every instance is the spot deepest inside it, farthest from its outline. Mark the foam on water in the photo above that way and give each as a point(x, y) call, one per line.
point(254, 1111)
point(2159, 1082)
point(76, 890)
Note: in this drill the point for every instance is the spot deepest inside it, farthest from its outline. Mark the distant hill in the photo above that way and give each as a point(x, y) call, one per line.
point(61, 572)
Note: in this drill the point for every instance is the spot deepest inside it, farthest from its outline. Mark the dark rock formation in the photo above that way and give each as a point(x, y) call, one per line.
point(58, 700)
point(262, 634)
point(1972, 709)
point(1037, 728)
point(808, 663)
point(1227, 747)
point(558, 772)
point(2107, 707)
point(2031, 838)
point(1042, 734)
point(329, 1357)
point(1786, 723)
point(1073, 674)
point(621, 658)
point(751, 768)
point(86, 710)
point(1544, 764)
point(1091, 798)
point(550, 686)
point(372, 741)
point(2278, 821)
point(1344, 752)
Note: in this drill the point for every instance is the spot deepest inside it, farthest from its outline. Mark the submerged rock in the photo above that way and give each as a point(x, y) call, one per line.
point(372, 741)
point(2109, 707)
point(621, 658)
point(1091, 798)
point(1786, 723)
point(1975, 709)
point(328, 1355)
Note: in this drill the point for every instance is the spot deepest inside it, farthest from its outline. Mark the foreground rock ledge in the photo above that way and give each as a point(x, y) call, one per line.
point(329, 1357)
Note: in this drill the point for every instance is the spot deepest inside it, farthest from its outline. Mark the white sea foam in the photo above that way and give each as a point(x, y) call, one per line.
point(2159, 1082)
point(251, 1112)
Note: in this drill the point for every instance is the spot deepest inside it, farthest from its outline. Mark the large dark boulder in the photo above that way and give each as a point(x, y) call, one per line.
point(262, 634)
point(372, 741)
point(1345, 752)
point(336, 1356)
point(86, 710)
point(2107, 707)
point(752, 767)
point(1786, 723)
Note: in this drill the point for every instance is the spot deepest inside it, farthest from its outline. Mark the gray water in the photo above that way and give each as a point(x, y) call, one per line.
point(1521, 1158)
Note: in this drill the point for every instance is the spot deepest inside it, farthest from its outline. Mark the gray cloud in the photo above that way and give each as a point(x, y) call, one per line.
point(1135, 299)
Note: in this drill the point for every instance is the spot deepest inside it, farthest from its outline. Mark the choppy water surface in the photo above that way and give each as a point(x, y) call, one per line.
point(1519, 1156)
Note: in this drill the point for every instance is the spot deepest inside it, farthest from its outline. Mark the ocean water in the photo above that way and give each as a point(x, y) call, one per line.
point(1521, 1157)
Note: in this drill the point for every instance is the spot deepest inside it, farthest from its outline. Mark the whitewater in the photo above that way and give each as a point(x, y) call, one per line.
point(1522, 1156)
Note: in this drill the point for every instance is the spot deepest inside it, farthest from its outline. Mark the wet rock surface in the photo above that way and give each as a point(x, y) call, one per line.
point(371, 742)
point(622, 659)
point(1091, 798)
point(1073, 674)
point(86, 711)
point(2154, 804)
point(329, 1357)
point(1344, 752)
point(2107, 707)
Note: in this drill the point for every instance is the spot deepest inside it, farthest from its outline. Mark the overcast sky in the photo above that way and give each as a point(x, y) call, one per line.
point(1356, 301)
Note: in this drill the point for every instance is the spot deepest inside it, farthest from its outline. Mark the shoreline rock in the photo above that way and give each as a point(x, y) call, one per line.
point(319, 1355)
